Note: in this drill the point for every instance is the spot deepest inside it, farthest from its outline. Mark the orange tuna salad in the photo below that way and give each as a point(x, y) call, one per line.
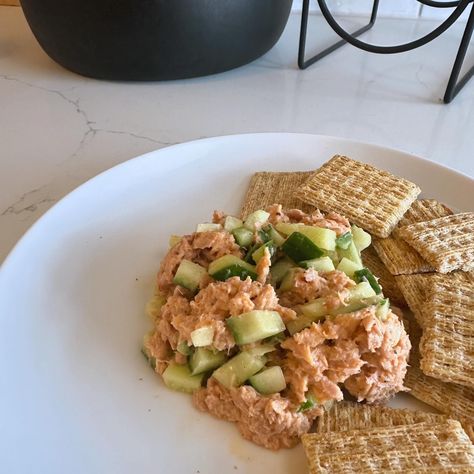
point(268, 320)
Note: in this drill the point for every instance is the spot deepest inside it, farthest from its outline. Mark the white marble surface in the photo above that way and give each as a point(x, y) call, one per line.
point(58, 129)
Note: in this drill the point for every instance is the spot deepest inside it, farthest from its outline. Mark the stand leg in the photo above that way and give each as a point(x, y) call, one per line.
point(302, 63)
point(454, 86)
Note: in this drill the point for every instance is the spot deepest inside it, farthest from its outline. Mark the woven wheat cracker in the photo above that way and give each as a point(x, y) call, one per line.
point(386, 279)
point(371, 198)
point(447, 344)
point(447, 243)
point(419, 447)
point(398, 256)
point(267, 188)
point(345, 416)
point(453, 400)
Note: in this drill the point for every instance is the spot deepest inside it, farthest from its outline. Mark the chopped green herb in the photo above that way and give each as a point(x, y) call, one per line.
point(308, 404)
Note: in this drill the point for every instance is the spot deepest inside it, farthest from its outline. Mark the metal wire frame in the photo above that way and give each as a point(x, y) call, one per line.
point(453, 87)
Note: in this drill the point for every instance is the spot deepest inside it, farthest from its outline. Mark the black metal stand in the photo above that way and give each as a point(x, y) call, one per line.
point(454, 86)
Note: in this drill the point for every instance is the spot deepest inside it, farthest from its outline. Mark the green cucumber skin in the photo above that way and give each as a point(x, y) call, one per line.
point(178, 377)
point(189, 275)
point(343, 241)
point(204, 360)
point(260, 252)
point(299, 247)
point(238, 369)
point(255, 325)
point(269, 381)
point(230, 266)
point(243, 236)
point(232, 271)
point(366, 275)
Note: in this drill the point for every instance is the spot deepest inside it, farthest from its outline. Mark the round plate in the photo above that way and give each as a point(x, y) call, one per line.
point(77, 395)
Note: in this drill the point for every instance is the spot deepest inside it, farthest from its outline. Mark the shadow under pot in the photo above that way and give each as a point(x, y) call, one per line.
point(155, 39)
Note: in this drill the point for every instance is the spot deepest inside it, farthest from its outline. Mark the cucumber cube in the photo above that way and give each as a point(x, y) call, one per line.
point(351, 253)
point(208, 227)
point(279, 270)
point(256, 219)
point(366, 275)
point(269, 381)
point(288, 281)
point(230, 266)
point(189, 275)
point(184, 349)
point(202, 336)
point(277, 238)
point(204, 360)
point(243, 236)
point(260, 252)
point(361, 238)
point(179, 377)
point(322, 264)
point(146, 352)
point(382, 309)
point(344, 240)
point(287, 229)
point(320, 236)
point(255, 326)
point(231, 223)
point(348, 267)
point(238, 369)
point(299, 247)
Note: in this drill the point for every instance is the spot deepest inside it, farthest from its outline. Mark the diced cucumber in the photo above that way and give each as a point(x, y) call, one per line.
point(277, 238)
point(256, 219)
point(361, 291)
point(356, 304)
point(179, 377)
point(276, 339)
point(287, 229)
point(202, 336)
point(264, 235)
point(322, 264)
point(288, 281)
point(238, 369)
point(344, 240)
point(189, 275)
point(146, 352)
point(184, 349)
point(382, 309)
point(231, 223)
point(351, 253)
point(309, 403)
point(269, 381)
point(349, 267)
point(255, 325)
point(315, 309)
point(204, 360)
point(243, 236)
point(279, 270)
point(299, 247)
point(362, 239)
point(320, 236)
point(261, 350)
point(173, 240)
point(300, 323)
point(153, 307)
point(260, 252)
point(208, 227)
point(366, 275)
point(230, 266)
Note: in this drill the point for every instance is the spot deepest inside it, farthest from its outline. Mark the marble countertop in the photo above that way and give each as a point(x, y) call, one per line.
point(58, 129)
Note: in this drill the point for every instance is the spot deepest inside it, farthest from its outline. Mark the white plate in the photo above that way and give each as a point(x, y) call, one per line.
point(76, 395)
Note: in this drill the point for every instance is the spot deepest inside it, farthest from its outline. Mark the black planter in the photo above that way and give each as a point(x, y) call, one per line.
point(155, 39)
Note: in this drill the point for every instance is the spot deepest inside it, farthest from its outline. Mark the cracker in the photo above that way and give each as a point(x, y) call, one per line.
point(447, 344)
point(267, 188)
point(371, 198)
point(447, 243)
point(345, 416)
point(398, 256)
point(416, 448)
point(455, 401)
point(390, 288)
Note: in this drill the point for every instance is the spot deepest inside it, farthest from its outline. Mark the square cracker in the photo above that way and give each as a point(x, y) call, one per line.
point(371, 198)
point(415, 448)
point(398, 256)
point(267, 188)
point(447, 243)
point(455, 401)
point(345, 416)
point(390, 289)
point(447, 344)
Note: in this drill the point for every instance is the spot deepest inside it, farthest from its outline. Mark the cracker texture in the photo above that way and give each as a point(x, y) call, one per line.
point(267, 188)
point(447, 243)
point(413, 448)
point(371, 198)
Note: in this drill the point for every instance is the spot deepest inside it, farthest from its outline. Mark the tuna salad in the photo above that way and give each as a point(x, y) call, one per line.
point(269, 320)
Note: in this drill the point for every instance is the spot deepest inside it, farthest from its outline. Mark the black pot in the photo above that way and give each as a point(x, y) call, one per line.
point(155, 39)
